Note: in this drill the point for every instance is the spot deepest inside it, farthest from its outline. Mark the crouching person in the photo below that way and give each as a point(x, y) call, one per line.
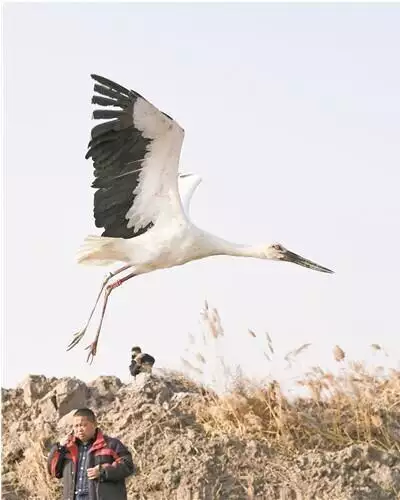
point(93, 466)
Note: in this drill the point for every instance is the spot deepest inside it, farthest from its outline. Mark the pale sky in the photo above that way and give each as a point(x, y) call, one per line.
point(292, 118)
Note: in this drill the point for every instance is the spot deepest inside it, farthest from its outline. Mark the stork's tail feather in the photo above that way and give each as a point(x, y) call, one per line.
point(100, 251)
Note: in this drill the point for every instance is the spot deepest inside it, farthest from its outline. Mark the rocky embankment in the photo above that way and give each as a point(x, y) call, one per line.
point(177, 456)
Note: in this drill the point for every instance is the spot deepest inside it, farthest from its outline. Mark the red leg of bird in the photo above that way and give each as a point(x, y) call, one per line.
point(109, 289)
point(78, 336)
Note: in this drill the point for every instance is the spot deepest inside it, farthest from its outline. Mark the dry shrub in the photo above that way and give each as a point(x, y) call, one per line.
point(353, 407)
point(358, 405)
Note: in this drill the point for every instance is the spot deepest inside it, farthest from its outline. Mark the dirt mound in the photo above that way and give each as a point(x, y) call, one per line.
point(178, 455)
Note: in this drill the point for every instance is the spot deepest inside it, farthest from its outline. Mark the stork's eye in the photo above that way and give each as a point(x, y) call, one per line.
point(277, 246)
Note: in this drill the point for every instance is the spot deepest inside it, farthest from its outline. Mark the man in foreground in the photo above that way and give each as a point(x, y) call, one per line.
point(93, 465)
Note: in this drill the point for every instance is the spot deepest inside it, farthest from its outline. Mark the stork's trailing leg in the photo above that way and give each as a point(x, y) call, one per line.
point(78, 336)
point(93, 346)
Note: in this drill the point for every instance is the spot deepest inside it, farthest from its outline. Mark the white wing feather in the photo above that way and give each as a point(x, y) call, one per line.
point(156, 194)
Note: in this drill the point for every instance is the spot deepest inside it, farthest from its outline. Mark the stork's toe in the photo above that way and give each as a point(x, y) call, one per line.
point(76, 339)
point(92, 352)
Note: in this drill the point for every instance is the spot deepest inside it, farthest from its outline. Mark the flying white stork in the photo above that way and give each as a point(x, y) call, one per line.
point(142, 201)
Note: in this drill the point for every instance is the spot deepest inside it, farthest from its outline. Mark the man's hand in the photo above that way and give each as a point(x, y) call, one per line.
point(94, 472)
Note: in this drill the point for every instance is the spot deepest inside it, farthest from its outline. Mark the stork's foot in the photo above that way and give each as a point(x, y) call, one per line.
point(76, 339)
point(92, 352)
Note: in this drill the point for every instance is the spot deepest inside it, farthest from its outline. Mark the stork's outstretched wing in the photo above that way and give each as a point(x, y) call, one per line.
point(135, 154)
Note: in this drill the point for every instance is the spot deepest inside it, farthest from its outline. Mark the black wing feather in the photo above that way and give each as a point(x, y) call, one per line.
point(112, 85)
point(105, 101)
point(111, 93)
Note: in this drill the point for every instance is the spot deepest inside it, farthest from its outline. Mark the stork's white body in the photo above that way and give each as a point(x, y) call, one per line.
point(144, 213)
point(158, 249)
point(184, 243)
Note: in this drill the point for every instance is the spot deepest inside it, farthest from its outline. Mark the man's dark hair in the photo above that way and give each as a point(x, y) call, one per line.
point(85, 412)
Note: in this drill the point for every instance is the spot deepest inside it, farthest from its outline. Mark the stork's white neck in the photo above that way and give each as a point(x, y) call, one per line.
point(219, 246)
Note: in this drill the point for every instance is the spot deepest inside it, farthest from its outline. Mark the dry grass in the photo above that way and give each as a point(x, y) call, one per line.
point(356, 406)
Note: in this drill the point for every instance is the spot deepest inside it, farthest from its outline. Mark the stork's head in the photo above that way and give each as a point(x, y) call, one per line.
point(276, 251)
